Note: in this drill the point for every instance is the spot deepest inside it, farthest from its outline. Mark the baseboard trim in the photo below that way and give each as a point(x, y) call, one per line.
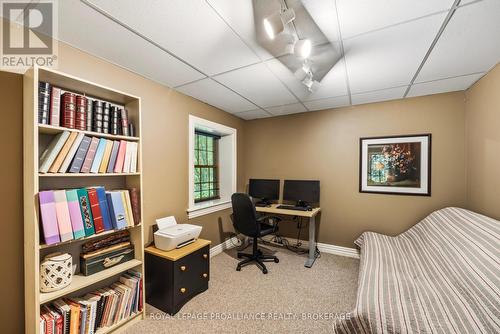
point(228, 244)
point(324, 248)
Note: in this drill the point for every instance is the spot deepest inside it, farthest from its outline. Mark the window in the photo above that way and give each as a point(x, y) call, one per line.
point(212, 166)
point(206, 178)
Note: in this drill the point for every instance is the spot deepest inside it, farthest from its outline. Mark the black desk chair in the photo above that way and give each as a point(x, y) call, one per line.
point(245, 221)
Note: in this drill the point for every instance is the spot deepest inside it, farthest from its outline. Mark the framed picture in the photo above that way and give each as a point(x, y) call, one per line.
point(398, 165)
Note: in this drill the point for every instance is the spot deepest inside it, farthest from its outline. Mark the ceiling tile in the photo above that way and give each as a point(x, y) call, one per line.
point(333, 84)
point(379, 95)
point(253, 114)
point(360, 16)
point(389, 57)
point(257, 84)
point(147, 59)
point(216, 95)
point(324, 15)
point(443, 86)
point(189, 28)
point(469, 43)
point(287, 109)
point(239, 15)
point(332, 102)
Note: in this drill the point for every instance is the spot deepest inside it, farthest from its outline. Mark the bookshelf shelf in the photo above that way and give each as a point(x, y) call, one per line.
point(80, 281)
point(95, 236)
point(36, 138)
point(50, 129)
point(87, 174)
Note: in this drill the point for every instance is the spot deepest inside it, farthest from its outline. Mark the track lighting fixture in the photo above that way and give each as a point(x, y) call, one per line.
point(303, 71)
point(310, 83)
point(300, 47)
point(275, 23)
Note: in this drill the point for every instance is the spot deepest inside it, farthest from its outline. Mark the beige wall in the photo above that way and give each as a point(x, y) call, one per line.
point(165, 160)
point(482, 116)
point(324, 145)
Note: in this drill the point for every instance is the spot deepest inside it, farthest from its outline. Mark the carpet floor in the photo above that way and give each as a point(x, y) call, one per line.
point(289, 299)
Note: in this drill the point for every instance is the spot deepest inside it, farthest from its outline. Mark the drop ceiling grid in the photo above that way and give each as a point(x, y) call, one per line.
point(300, 100)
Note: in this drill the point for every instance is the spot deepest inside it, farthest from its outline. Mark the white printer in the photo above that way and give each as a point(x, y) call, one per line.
point(171, 235)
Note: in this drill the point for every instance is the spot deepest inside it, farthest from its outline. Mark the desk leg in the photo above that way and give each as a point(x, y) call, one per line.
point(312, 243)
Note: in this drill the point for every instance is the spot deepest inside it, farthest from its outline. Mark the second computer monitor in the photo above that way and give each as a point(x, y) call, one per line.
point(301, 191)
point(265, 190)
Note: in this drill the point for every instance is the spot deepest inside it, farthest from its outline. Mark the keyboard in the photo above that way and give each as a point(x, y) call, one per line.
point(292, 207)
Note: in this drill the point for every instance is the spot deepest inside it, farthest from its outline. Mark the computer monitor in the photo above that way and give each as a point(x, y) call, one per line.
point(265, 190)
point(301, 191)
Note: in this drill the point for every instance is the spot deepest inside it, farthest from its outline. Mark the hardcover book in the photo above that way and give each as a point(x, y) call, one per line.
point(75, 213)
point(89, 157)
point(43, 102)
point(128, 156)
point(71, 153)
point(105, 117)
point(49, 155)
point(99, 154)
point(136, 205)
point(103, 203)
point(120, 159)
point(81, 113)
point(112, 159)
point(124, 119)
point(89, 112)
point(77, 163)
point(97, 116)
point(96, 210)
point(64, 152)
point(63, 216)
point(106, 156)
point(68, 112)
point(116, 209)
point(115, 120)
point(133, 158)
point(49, 217)
point(86, 211)
point(55, 106)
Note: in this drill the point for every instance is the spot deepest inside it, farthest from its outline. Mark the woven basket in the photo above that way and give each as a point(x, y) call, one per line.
point(56, 272)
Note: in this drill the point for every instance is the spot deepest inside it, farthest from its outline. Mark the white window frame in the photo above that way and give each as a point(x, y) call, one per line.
point(227, 161)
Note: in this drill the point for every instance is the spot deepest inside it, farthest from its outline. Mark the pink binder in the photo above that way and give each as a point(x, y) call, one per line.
point(63, 217)
point(49, 217)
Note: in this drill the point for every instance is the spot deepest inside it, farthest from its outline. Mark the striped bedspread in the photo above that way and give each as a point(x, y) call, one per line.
point(440, 276)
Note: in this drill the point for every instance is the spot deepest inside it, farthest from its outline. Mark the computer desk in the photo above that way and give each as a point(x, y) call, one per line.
point(273, 209)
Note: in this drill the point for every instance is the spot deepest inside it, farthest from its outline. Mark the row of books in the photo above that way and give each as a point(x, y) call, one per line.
point(74, 152)
point(78, 213)
point(59, 107)
point(98, 309)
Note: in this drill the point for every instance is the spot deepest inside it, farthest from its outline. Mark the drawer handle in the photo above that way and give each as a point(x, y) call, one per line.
point(205, 275)
point(183, 268)
point(205, 256)
point(183, 290)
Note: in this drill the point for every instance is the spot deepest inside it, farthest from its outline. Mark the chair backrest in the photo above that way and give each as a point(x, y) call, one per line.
point(244, 215)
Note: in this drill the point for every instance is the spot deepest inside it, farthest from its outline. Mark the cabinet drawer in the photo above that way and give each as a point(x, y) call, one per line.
point(191, 274)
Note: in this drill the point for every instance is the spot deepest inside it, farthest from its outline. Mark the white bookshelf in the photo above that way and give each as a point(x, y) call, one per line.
point(36, 137)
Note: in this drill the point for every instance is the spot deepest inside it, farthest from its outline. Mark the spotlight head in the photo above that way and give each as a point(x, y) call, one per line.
point(311, 84)
point(275, 23)
point(303, 48)
point(303, 71)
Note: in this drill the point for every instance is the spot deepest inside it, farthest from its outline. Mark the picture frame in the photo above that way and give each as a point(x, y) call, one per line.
point(396, 165)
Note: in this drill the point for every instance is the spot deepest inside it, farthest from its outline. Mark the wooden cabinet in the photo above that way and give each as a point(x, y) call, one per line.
point(174, 277)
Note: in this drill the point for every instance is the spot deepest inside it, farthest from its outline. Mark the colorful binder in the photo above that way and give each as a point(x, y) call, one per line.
point(116, 209)
point(89, 157)
point(88, 222)
point(64, 151)
point(75, 213)
point(63, 217)
point(49, 217)
point(71, 153)
point(77, 163)
point(103, 203)
point(96, 210)
point(49, 155)
point(112, 159)
point(106, 156)
point(120, 159)
point(99, 154)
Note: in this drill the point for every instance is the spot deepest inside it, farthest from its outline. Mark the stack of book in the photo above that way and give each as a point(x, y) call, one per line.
point(59, 107)
point(75, 152)
point(99, 309)
point(78, 213)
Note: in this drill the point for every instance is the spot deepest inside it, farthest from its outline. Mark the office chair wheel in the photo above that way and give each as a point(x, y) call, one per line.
point(264, 271)
point(238, 268)
point(276, 260)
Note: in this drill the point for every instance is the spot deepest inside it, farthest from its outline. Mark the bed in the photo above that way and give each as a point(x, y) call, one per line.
point(440, 276)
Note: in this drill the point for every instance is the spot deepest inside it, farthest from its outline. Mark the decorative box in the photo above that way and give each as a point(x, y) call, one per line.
point(98, 261)
point(56, 272)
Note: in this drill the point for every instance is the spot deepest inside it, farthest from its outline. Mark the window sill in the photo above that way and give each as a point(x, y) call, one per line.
point(205, 208)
